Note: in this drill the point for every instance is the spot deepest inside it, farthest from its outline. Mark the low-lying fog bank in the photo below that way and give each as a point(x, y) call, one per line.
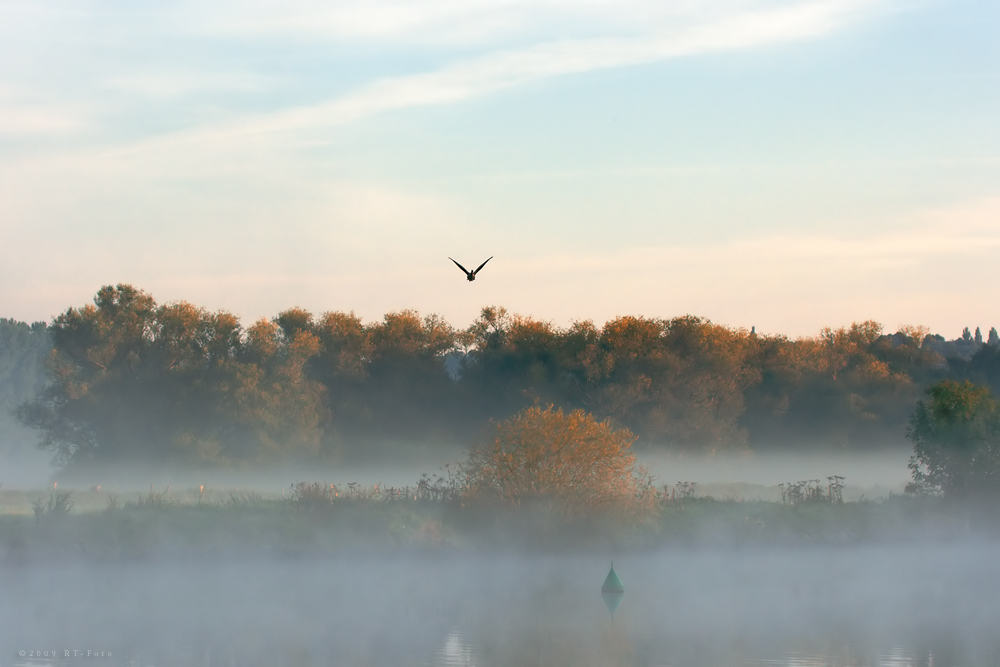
point(391, 464)
point(751, 476)
point(865, 605)
point(872, 474)
point(318, 520)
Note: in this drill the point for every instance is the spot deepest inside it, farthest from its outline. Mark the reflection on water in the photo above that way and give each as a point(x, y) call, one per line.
point(455, 652)
point(897, 656)
point(847, 607)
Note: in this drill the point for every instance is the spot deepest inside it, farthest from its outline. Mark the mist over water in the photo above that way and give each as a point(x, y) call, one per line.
point(890, 605)
point(834, 605)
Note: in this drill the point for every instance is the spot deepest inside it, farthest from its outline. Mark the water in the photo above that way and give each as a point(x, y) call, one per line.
point(835, 607)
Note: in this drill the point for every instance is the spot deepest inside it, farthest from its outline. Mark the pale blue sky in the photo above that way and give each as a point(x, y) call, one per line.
point(788, 164)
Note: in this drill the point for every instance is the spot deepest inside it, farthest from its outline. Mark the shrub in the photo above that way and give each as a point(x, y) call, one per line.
point(570, 458)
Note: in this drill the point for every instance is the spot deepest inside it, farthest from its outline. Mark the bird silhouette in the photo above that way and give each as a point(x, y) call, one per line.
point(471, 275)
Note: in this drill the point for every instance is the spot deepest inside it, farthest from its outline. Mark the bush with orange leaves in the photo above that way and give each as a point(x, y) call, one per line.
point(572, 459)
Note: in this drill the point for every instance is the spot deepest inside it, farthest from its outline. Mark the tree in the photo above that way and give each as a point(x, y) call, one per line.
point(134, 382)
point(342, 367)
point(982, 368)
point(545, 453)
point(848, 387)
point(489, 331)
point(510, 362)
point(278, 409)
point(408, 390)
point(24, 349)
point(294, 320)
point(678, 382)
point(98, 397)
point(956, 441)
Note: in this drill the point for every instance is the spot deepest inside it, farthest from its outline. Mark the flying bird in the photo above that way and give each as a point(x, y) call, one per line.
point(471, 275)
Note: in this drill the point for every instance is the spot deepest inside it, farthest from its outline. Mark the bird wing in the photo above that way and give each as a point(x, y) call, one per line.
point(463, 268)
point(480, 266)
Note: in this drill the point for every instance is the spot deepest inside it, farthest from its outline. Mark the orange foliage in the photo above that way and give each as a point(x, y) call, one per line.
point(545, 453)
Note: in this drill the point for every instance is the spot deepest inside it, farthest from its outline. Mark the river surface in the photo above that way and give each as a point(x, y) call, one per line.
point(932, 606)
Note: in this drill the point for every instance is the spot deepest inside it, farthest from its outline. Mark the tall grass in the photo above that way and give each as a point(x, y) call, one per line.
point(57, 506)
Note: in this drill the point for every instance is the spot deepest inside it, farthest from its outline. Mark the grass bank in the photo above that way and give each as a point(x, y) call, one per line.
point(319, 519)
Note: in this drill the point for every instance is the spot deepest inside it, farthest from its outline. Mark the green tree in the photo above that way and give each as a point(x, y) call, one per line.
point(982, 368)
point(956, 441)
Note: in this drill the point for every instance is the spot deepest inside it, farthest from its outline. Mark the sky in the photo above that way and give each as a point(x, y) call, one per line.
point(782, 164)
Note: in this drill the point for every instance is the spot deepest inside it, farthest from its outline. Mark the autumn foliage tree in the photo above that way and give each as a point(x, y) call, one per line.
point(132, 381)
point(408, 392)
point(275, 407)
point(847, 387)
point(545, 453)
point(676, 382)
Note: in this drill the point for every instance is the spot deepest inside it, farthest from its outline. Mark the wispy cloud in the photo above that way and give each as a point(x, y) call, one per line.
point(501, 44)
point(737, 25)
point(475, 23)
point(495, 71)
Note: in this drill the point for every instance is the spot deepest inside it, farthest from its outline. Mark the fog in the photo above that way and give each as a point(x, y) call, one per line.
point(863, 605)
point(500, 600)
point(884, 467)
point(874, 473)
point(26, 468)
point(869, 475)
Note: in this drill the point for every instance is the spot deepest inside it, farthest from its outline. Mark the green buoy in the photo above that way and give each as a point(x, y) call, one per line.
point(613, 590)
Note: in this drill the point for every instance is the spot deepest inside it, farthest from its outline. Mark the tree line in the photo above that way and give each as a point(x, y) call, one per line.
point(132, 380)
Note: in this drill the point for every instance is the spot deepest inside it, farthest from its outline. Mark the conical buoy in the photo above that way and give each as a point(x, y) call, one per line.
point(612, 591)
